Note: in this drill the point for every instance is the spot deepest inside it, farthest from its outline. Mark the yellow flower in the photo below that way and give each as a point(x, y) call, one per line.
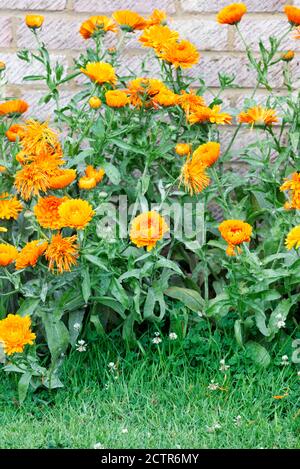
point(97, 24)
point(3, 230)
point(218, 117)
point(87, 183)
point(15, 131)
point(100, 72)
point(193, 175)
point(38, 138)
point(35, 178)
point(95, 102)
point(166, 98)
point(157, 36)
point(8, 254)
point(97, 174)
point(129, 20)
point(293, 186)
point(293, 238)
point(62, 253)
point(208, 153)
point(14, 106)
point(258, 116)
point(156, 17)
point(288, 56)
point(199, 115)
point(190, 101)
point(183, 149)
point(15, 333)
point(116, 98)
point(293, 14)
point(2, 169)
point(232, 14)
point(34, 21)
point(75, 213)
point(10, 206)
point(29, 255)
point(147, 229)
point(62, 179)
point(46, 211)
point(142, 90)
point(235, 232)
point(180, 54)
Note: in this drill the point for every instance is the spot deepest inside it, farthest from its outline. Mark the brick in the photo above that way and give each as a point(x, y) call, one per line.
point(108, 6)
point(206, 35)
point(43, 111)
point(5, 32)
point(33, 4)
point(214, 6)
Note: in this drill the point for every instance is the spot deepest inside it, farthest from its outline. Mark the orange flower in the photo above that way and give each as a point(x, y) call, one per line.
point(193, 175)
point(208, 153)
point(199, 115)
point(147, 229)
point(157, 17)
point(35, 178)
point(62, 179)
point(116, 98)
point(87, 183)
point(97, 174)
point(288, 56)
point(62, 253)
point(15, 131)
point(75, 213)
point(293, 186)
point(15, 106)
point(235, 232)
point(34, 21)
point(95, 102)
point(15, 333)
point(97, 24)
point(232, 14)
point(100, 72)
point(46, 211)
point(180, 54)
point(10, 206)
point(142, 90)
point(293, 14)
point(293, 238)
point(166, 98)
point(218, 117)
point(129, 20)
point(157, 36)
point(30, 254)
point(2, 169)
point(38, 138)
point(190, 101)
point(2, 66)
point(183, 149)
point(258, 116)
point(8, 254)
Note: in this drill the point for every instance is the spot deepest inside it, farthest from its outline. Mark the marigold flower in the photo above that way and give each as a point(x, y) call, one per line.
point(100, 72)
point(14, 106)
point(218, 117)
point(147, 229)
point(235, 232)
point(10, 206)
point(30, 254)
point(293, 14)
point(166, 98)
point(208, 153)
point(96, 24)
point(8, 254)
point(129, 20)
point(183, 149)
point(157, 36)
point(258, 116)
point(288, 56)
point(15, 333)
point(38, 138)
point(62, 253)
point(95, 102)
point(34, 21)
point(180, 54)
point(75, 213)
point(116, 98)
point(157, 17)
point(193, 175)
point(232, 14)
point(35, 178)
point(46, 211)
point(142, 90)
point(62, 179)
point(97, 174)
point(2, 169)
point(293, 186)
point(15, 131)
point(199, 115)
point(87, 183)
point(293, 238)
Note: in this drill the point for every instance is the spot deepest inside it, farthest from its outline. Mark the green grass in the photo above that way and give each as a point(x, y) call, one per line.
point(162, 404)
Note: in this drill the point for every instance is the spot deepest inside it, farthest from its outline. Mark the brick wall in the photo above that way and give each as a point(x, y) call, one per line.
point(220, 48)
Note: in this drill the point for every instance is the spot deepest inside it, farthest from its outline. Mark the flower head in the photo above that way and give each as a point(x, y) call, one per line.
point(10, 206)
point(2, 66)
point(95, 102)
point(81, 346)
point(190, 101)
point(15, 131)
point(62, 178)
point(142, 90)
point(235, 232)
point(8, 254)
point(173, 336)
point(231, 14)
point(46, 211)
point(87, 183)
point(193, 174)
point(157, 36)
point(199, 115)
point(292, 185)
point(180, 54)
point(183, 149)
point(35, 178)
point(208, 153)
point(147, 229)
point(38, 138)
point(75, 213)
point(14, 106)
point(34, 21)
point(15, 333)
point(156, 17)
point(288, 56)
point(29, 255)
point(116, 98)
point(218, 117)
point(97, 174)
point(258, 116)
point(100, 72)
point(129, 20)
point(62, 253)
point(166, 98)
point(293, 14)
point(97, 24)
point(293, 238)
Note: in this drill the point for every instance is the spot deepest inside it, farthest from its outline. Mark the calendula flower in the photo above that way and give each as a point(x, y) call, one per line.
point(46, 211)
point(166, 98)
point(62, 179)
point(15, 333)
point(218, 117)
point(15, 131)
point(14, 106)
point(293, 186)
point(97, 174)
point(199, 115)
point(10, 206)
point(293, 238)
point(97, 24)
point(288, 56)
point(129, 20)
point(258, 115)
point(34, 21)
point(157, 17)
point(193, 175)
point(100, 72)
point(87, 183)
point(8, 254)
point(35, 178)
point(190, 101)
point(2, 169)
point(208, 153)
point(293, 14)
point(30, 254)
point(38, 138)
point(75, 213)
point(180, 54)
point(116, 98)
point(235, 232)
point(232, 14)
point(142, 90)
point(183, 149)
point(147, 229)
point(95, 102)
point(157, 36)
point(62, 253)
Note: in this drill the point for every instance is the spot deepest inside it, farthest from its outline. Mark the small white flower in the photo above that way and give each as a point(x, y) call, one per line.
point(156, 340)
point(237, 421)
point(200, 314)
point(112, 366)
point(124, 430)
point(223, 367)
point(213, 386)
point(298, 373)
point(280, 324)
point(81, 346)
point(77, 326)
point(156, 334)
point(173, 336)
point(98, 446)
point(215, 426)
point(284, 360)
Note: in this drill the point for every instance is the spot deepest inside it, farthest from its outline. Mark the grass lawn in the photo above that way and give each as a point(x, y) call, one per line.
point(149, 403)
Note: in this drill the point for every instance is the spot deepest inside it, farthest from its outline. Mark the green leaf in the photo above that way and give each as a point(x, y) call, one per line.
point(238, 332)
point(258, 354)
point(149, 304)
point(166, 263)
point(112, 173)
point(34, 78)
point(190, 298)
point(86, 285)
point(23, 386)
point(28, 307)
point(98, 326)
point(111, 303)
point(260, 319)
point(127, 146)
point(96, 261)
point(57, 336)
